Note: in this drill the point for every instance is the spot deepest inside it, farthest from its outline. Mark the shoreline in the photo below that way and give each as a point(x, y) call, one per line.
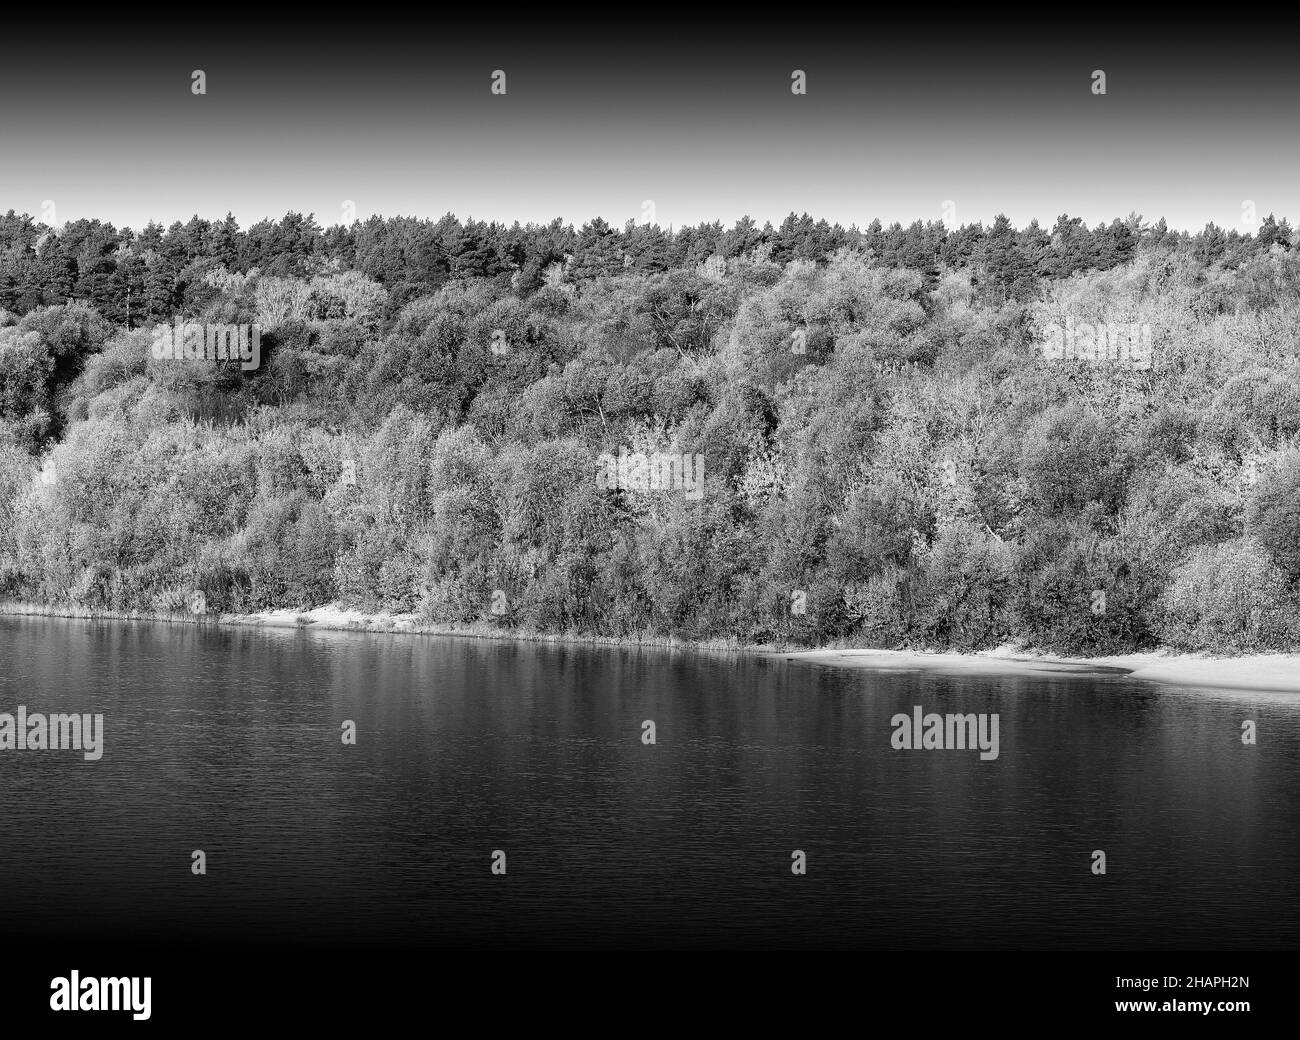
point(332, 618)
point(1264, 673)
point(1276, 673)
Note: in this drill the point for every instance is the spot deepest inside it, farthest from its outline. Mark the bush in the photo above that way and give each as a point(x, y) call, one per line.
point(1273, 515)
point(1230, 598)
point(878, 606)
point(961, 600)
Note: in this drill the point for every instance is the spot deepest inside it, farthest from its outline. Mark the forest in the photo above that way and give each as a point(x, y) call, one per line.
point(891, 452)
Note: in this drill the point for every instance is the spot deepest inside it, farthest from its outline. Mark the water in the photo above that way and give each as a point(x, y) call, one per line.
point(228, 740)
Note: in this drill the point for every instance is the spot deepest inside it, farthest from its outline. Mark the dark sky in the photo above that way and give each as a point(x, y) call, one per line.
point(697, 117)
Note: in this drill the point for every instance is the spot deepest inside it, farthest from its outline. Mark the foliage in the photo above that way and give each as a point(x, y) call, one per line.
point(889, 457)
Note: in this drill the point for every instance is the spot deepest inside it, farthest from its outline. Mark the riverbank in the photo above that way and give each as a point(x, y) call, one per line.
point(333, 618)
point(1265, 672)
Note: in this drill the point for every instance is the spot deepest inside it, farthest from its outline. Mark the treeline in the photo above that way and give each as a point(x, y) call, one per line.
point(889, 458)
point(133, 278)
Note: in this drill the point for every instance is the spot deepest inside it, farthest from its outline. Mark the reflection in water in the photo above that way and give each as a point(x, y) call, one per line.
point(228, 740)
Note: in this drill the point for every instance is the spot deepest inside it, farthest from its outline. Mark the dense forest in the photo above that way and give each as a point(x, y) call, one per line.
point(887, 454)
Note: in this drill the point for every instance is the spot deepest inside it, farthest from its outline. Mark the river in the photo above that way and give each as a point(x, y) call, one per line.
point(230, 741)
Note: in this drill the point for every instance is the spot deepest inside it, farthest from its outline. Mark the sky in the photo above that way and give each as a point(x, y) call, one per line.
point(661, 117)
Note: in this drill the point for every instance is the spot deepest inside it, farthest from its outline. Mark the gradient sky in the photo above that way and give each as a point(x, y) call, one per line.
point(900, 117)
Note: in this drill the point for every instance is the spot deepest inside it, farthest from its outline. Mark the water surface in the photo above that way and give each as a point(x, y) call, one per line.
point(228, 740)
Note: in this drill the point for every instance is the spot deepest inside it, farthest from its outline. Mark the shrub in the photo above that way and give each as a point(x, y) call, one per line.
point(1229, 598)
point(1273, 515)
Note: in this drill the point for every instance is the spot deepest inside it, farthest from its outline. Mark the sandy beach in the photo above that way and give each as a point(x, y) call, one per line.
point(1270, 672)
